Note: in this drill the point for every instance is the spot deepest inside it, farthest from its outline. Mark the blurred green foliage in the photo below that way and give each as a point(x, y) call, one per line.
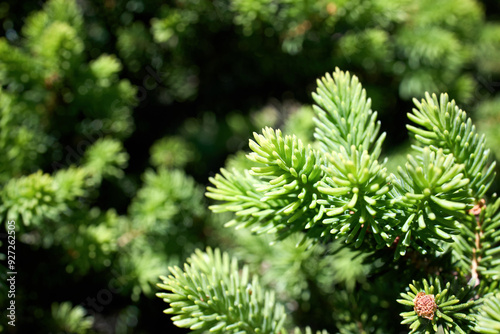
point(113, 114)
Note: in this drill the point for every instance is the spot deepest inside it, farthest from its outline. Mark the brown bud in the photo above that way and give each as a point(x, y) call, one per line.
point(425, 305)
point(476, 210)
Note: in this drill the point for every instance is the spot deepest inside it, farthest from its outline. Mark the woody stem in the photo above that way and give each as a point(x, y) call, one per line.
point(476, 258)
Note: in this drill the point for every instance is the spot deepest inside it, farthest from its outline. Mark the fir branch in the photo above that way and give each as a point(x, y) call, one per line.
point(344, 191)
point(343, 116)
point(356, 183)
point(436, 309)
point(291, 186)
point(432, 199)
point(67, 318)
point(447, 127)
point(488, 315)
point(105, 158)
point(355, 189)
point(33, 198)
point(166, 195)
point(289, 176)
point(211, 295)
point(282, 195)
point(239, 192)
point(291, 168)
